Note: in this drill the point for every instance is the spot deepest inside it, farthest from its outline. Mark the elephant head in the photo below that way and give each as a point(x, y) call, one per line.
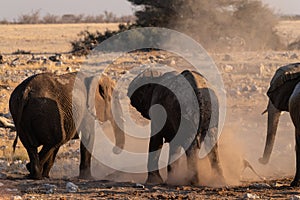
point(108, 108)
point(140, 90)
point(112, 104)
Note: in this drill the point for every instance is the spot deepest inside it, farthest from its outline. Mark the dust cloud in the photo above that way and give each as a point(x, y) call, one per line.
point(229, 25)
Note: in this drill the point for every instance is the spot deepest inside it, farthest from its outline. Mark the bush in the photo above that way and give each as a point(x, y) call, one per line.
point(88, 41)
point(216, 24)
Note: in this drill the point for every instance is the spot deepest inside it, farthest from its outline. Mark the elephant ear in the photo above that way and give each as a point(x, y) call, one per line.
point(140, 90)
point(140, 98)
point(283, 84)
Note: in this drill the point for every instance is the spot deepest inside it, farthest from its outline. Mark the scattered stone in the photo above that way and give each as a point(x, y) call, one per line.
point(173, 62)
point(295, 197)
point(11, 190)
point(55, 58)
point(1, 59)
point(17, 197)
point(14, 62)
point(138, 185)
point(6, 123)
point(160, 57)
point(228, 68)
point(59, 63)
point(250, 196)
point(50, 188)
point(294, 56)
point(277, 184)
point(261, 185)
point(71, 187)
point(227, 57)
point(1, 184)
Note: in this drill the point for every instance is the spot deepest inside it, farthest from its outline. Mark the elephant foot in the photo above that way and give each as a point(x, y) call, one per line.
point(28, 166)
point(36, 176)
point(295, 183)
point(194, 180)
point(154, 178)
point(263, 161)
point(46, 175)
point(86, 174)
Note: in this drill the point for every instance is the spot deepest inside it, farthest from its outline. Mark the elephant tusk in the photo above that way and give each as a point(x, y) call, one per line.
point(265, 111)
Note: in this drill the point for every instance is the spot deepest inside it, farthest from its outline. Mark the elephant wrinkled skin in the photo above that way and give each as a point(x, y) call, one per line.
point(191, 112)
point(46, 113)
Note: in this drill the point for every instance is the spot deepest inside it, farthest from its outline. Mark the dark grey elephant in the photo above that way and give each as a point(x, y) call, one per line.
point(47, 113)
point(191, 112)
point(284, 95)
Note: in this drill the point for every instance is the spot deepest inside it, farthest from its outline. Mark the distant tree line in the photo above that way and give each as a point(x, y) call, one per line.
point(36, 18)
point(290, 17)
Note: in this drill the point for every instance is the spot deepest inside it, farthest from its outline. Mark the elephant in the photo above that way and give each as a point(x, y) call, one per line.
point(284, 95)
point(48, 110)
point(184, 123)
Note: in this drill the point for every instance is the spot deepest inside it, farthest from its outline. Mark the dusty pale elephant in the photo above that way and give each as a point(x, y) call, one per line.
point(185, 121)
point(47, 113)
point(284, 95)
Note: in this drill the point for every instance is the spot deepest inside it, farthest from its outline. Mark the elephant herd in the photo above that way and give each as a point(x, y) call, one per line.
point(48, 110)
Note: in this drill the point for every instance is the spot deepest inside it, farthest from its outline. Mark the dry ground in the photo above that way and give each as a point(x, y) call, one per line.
point(246, 76)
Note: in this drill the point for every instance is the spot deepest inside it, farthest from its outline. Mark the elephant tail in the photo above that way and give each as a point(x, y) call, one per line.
point(17, 101)
point(15, 143)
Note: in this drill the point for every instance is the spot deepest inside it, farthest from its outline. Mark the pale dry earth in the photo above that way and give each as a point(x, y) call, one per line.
point(246, 77)
point(38, 38)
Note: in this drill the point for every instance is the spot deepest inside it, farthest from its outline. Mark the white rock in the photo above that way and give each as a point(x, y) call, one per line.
point(295, 197)
point(1, 184)
point(50, 188)
point(173, 62)
point(11, 190)
point(71, 187)
point(228, 68)
point(17, 197)
point(138, 185)
point(250, 196)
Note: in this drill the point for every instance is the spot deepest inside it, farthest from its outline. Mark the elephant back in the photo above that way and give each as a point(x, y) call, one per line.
point(283, 84)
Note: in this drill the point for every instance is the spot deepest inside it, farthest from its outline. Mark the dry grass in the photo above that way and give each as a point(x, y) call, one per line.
point(289, 31)
point(44, 37)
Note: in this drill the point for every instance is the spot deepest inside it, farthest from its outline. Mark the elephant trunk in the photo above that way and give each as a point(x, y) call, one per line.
point(117, 122)
point(120, 139)
point(273, 119)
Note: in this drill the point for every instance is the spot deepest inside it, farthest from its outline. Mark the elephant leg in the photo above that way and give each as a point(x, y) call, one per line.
point(173, 158)
point(294, 105)
point(48, 165)
point(155, 146)
point(295, 182)
point(214, 160)
point(191, 154)
point(85, 163)
point(34, 165)
point(45, 154)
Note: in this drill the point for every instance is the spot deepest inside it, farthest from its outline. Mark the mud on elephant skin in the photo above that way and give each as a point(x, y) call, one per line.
point(284, 95)
point(191, 112)
point(47, 113)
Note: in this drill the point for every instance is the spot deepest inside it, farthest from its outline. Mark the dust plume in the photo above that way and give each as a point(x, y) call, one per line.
point(228, 25)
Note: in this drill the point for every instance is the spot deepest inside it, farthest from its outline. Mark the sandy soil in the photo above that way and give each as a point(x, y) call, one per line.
point(45, 38)
point(246, 76)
